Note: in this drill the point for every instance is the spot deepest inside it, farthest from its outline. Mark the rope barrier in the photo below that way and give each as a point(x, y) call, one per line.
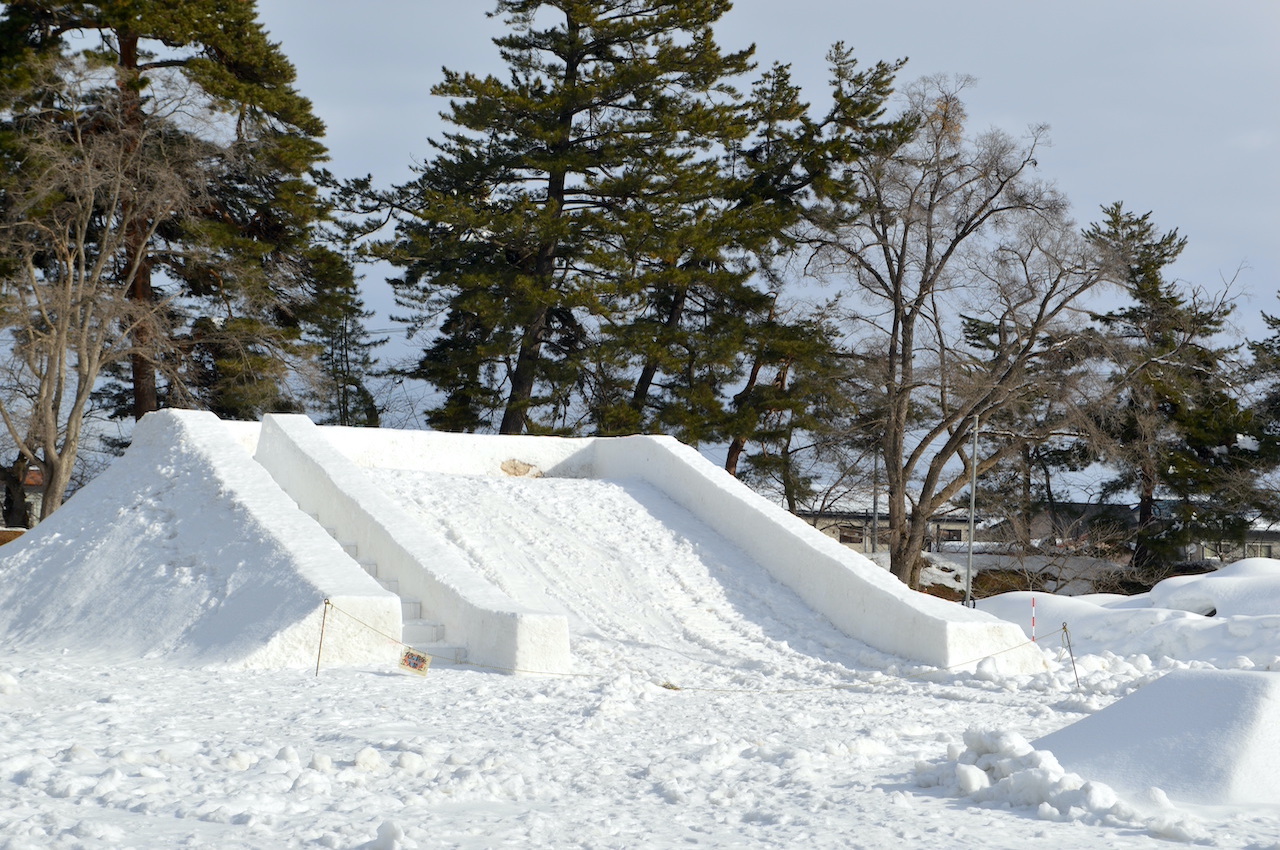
point(673, 687)
point(404, 645)
point(324, 619)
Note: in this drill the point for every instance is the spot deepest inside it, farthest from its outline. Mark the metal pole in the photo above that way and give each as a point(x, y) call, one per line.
point(875, 499)
point(973, 503)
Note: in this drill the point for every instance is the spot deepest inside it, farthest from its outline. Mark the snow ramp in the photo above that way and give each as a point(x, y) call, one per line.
point(213, 542)
point(512, 544)
point(185, 549)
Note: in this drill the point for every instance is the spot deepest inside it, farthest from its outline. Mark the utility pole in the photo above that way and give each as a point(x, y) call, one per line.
point(973, 505)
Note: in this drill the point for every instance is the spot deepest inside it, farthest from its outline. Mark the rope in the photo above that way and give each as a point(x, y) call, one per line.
point(846, 687)
point(673, 687)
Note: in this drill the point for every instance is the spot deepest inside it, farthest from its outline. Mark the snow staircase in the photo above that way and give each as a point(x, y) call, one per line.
point(422, 635)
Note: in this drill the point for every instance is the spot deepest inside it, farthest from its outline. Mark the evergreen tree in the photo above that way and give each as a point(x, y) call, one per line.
point(345, 355)
point(240, 264)
point(596, 242)
point(707, 321)
point(1264, 371)
point(532, 227)
point(1174, 427)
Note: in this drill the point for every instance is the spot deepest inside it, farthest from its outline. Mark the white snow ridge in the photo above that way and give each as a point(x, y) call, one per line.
point(693, 667)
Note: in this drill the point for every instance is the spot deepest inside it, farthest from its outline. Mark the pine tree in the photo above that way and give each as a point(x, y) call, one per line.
point(707, 321)
point(203, 71)
point(534, 226)
point(1174, 428)
point(336, 326)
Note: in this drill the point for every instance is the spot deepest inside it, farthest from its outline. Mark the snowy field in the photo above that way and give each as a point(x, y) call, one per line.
point(788, 754)
point(822, 745)
point(708, 706)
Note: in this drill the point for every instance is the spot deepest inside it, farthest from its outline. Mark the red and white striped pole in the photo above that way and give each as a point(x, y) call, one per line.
point(1033, 619)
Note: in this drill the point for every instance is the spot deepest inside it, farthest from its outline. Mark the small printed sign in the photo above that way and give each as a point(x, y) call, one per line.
point(415, 661)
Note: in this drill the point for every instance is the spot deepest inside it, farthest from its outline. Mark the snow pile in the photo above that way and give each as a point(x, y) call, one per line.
point(1000, 769)
point(1203, 736)
point(1248, 588)
point(1229, 618)
point(186, 549)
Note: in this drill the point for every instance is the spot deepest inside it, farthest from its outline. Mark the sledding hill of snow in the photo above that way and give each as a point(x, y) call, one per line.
point(443, 553)
point(626, 565)
point(207, 554)
point(184, 548)
point(709, 703)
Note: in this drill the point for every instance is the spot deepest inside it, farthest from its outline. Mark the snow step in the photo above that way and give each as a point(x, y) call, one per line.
point(352, 549)
point(389, 584)
point(429, 637)
point(418, 632)
point(370, 567)
point(410, 609)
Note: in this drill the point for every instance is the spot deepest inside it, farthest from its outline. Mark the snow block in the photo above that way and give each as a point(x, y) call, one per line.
point(186, 550)
point(1201, 736)
point(860, 598)
point(495, 630)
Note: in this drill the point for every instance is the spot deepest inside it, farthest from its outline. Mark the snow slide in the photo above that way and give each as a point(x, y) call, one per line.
point(632, 539)
point(218, 543)
point(186, 549)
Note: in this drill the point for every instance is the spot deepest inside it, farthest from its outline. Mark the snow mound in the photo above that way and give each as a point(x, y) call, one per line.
point(1248, 588)
point(1229, 618)
point(1201, 736)
point(185, 549)
point(999, 768)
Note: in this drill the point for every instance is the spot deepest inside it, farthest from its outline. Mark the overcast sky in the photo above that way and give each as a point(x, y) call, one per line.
point(1171, 106)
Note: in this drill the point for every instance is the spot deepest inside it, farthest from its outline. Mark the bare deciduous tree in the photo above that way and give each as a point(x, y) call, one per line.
point(77, 191)
point(966, 267)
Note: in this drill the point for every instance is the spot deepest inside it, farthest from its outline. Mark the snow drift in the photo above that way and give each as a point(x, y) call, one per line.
point(1201, 736)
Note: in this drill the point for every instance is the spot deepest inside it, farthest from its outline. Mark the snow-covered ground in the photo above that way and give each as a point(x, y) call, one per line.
point(708, 707)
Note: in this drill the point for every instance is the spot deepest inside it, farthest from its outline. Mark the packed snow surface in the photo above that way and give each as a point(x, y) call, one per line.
point(185, 549)
point(708, 707)
point(626, 565)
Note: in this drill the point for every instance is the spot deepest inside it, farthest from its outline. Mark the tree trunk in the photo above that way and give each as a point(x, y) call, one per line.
point(137, 263)
point(524, 377)
point(640, 396)
point(1143, 556)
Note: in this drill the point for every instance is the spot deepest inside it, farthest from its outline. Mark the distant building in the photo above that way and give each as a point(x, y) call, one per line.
point(1085, 528)
point(867, 531)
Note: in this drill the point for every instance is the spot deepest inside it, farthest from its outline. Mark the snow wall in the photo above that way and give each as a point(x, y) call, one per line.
point(185, 549)
point(859, 597)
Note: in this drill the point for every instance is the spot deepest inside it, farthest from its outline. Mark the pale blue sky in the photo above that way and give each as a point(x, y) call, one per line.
point(1169, 105)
